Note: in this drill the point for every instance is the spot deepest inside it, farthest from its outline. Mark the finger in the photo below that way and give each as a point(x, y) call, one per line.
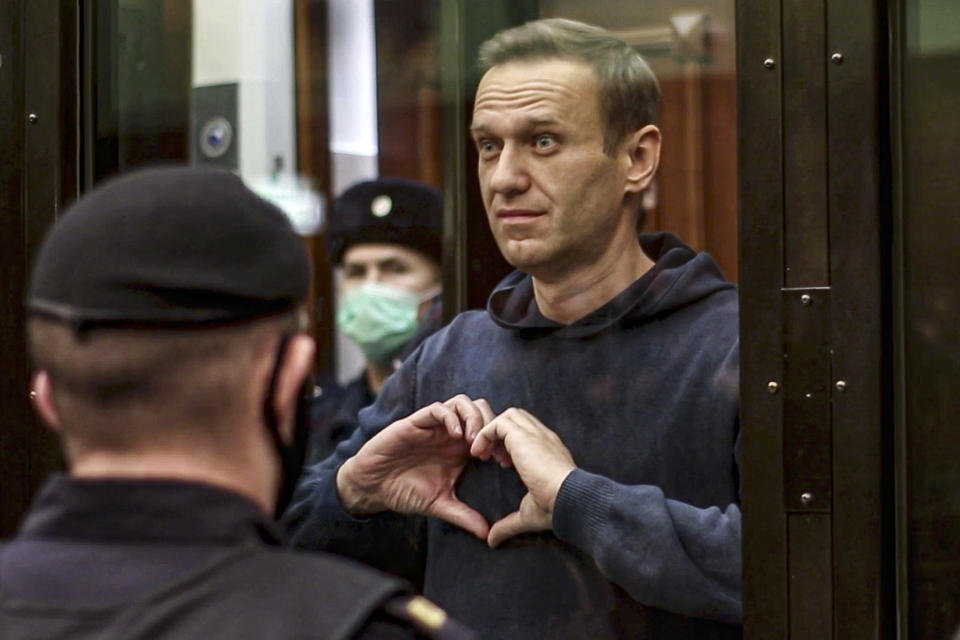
point(526, 419)
point(461, 515)
point(438, 414)
point(471, 417)
point(499, 452)
point(507, 527)
point(488, 437)
point(484, 406)
point(486, 416)
point(502, 457)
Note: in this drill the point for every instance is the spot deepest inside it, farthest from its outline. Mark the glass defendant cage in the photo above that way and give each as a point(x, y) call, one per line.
point(807, 146)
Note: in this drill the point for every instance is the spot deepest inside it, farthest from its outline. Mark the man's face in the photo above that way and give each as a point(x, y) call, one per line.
point(389, 264)
point(553, 197)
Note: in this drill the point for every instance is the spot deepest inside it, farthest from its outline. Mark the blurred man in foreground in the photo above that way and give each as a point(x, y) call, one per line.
point(167, 332)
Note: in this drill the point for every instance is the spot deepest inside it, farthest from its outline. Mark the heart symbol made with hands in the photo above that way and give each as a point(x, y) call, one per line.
point(413, 464)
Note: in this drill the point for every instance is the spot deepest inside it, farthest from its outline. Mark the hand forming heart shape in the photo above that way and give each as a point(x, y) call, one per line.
point(412, 466)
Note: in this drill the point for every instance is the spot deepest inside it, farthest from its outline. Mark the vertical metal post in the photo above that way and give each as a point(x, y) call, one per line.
point(813, 318)
point(15, 423)
point(87, 70)
point(858, 217)
point(895, 18)
point(452, 91)
point(38, 132)
point(761, 270)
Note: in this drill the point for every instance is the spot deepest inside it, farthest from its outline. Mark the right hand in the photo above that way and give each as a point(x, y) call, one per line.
point(411, 466)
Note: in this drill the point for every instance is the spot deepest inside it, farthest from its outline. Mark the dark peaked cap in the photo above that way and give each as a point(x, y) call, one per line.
point(173, 245)
point(388, 210)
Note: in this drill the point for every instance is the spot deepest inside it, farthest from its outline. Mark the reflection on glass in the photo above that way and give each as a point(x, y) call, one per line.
point(931, 135)
point(304, 99)
point(690, 47)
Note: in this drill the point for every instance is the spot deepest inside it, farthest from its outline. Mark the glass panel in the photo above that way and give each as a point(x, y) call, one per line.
point(690, 47)
point(140, 76)
point(303, 98)
point(931, 136)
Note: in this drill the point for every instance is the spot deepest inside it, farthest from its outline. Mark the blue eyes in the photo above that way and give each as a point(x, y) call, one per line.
point(540, 142)
point(544, 141)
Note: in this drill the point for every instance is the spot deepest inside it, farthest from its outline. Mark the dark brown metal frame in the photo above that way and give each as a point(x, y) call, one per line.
point(313, 160)
point(452, 91)
point(15, 428)
point(896, 40)
point(813, 232)
point(38, 94)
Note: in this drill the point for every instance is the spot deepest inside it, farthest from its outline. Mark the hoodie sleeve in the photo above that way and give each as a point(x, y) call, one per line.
point(664, 553)
point(316, 520)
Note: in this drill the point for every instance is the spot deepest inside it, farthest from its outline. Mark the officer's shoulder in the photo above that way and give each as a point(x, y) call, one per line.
point(393, 611)
point(412, 616)
point(326, 391)
point(329, 396)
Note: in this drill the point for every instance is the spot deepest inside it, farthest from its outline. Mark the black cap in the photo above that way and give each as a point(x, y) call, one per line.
point(171, 245)
point(390, 210)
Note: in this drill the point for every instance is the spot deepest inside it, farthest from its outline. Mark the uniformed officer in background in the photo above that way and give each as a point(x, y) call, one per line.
point(385, 236)
point(166, 329)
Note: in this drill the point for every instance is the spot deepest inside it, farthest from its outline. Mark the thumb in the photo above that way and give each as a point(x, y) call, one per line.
point(459, 514)
point(505, 528)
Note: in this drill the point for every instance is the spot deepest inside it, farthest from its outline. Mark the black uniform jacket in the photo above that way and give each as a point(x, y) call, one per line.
point(168, 559)
point(333, 416)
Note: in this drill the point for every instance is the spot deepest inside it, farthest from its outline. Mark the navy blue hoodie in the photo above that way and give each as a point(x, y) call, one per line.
point(644, 393)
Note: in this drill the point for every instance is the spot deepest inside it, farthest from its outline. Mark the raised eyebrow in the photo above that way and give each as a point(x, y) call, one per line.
point(477, 130)
point(526, 126)
point(542, 122)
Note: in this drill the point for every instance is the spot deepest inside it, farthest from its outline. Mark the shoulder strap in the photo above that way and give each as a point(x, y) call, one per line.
point(341, 595)
point(298, 595)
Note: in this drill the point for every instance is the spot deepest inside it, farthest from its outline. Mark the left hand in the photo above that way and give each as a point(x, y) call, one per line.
point(542, 461)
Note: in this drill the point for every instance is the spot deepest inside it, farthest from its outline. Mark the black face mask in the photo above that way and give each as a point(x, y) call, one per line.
point(292, 455)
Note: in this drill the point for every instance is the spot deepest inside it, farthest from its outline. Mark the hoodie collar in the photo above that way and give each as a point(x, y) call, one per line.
point(678, 278)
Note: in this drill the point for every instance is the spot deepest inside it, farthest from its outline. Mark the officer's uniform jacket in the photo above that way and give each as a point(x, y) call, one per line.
point(164, 559)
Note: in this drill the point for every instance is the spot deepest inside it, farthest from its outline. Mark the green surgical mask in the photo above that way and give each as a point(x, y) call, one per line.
point(380, 319)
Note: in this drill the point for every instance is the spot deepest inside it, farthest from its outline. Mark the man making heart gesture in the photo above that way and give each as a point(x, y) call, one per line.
point(572, 446)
